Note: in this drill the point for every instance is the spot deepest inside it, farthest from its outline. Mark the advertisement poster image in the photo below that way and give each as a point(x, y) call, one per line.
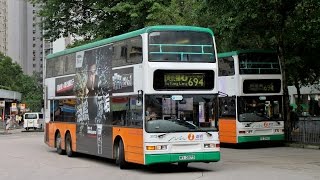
point(122, 80)
point(65, 86)
point(93, 87)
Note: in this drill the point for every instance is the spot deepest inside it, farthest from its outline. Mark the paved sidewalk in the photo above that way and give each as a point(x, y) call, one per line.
point(11, 131)
point(14, 129)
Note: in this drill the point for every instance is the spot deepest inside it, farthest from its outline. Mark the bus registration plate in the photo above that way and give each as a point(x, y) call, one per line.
point(264, 138)
point(188, 157)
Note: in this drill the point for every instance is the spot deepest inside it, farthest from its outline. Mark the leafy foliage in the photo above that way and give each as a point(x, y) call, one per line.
point(176, 12)
point(93, 18)
point(12, 78)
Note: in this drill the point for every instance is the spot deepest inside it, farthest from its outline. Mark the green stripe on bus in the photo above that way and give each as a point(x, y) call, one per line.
point(173, 158)
point(242, 139)
point(233, 53)
point(179, 53)
point(179, 45)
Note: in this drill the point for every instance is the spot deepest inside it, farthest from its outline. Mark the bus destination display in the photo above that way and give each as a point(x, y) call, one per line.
point(262, 86)
point(180, 79)
point(184, 80)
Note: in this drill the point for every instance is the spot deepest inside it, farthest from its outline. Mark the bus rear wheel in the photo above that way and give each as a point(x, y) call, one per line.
point(120, 156)
point(68, 146)
point(58, 144)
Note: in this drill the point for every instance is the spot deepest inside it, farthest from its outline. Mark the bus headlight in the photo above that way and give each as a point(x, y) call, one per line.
point(158, 147)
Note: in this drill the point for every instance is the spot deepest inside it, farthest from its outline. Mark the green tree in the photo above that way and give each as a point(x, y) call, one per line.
point(93, 19)
point(12, 78)
point(32, 92)
point(10, 73)
point(177, 12)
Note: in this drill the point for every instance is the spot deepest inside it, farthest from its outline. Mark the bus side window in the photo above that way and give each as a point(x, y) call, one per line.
point(127, 52)
point(226, 66)
point(134, 115)
point(119, 54)
point(134, 50)
point(126, 112)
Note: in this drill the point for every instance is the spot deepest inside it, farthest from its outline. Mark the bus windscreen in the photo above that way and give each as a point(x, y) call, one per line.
point(259, 108)
point(180, 46)
point(180, 113)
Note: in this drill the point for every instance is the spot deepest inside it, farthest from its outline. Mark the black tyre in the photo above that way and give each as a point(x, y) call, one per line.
point(58, 144)
point(120, 156)
point(183, 165)
point(68, 145)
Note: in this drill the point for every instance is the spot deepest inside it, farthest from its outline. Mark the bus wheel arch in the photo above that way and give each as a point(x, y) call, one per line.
point(68, 144)
point(116, 147)
point(58, 142)
point(119, 153)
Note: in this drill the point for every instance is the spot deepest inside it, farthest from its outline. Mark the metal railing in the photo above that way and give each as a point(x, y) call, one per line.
point(307, 131)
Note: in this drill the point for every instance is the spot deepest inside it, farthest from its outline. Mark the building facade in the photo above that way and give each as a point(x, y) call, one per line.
point(21, 36)
point(3, 27)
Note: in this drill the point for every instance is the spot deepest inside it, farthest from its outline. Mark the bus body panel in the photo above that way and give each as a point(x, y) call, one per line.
point(182, 157)
point(260, 131)
point(95, 140)
point(228, 130)
point(62, 128)
point(133, 143)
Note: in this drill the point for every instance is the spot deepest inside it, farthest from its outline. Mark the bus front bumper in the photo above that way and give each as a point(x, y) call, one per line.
point(244, 139)
point(182, 157)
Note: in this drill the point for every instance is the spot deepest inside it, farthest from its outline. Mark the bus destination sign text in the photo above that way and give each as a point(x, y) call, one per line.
point(262, 86)
point(173, 80)
point(184, 80)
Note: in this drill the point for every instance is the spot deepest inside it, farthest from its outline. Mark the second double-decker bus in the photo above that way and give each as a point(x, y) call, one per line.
point(148, 96)
point(250, 105)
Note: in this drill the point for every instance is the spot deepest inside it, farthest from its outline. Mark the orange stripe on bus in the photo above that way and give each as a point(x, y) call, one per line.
point(62, 127)
point(227, 130)
point(133, 143)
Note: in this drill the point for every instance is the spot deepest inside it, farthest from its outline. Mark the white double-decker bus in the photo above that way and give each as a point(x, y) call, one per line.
point(149, 96)
point(250, 102)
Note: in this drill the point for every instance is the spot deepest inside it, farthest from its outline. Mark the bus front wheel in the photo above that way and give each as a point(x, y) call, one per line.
point(120, 156)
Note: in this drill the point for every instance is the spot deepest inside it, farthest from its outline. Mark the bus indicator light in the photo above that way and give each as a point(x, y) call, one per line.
point(158, 147)
point(151, 148)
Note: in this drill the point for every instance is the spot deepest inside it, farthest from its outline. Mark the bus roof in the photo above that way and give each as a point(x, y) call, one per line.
point(128, 35)
point(233, 53)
